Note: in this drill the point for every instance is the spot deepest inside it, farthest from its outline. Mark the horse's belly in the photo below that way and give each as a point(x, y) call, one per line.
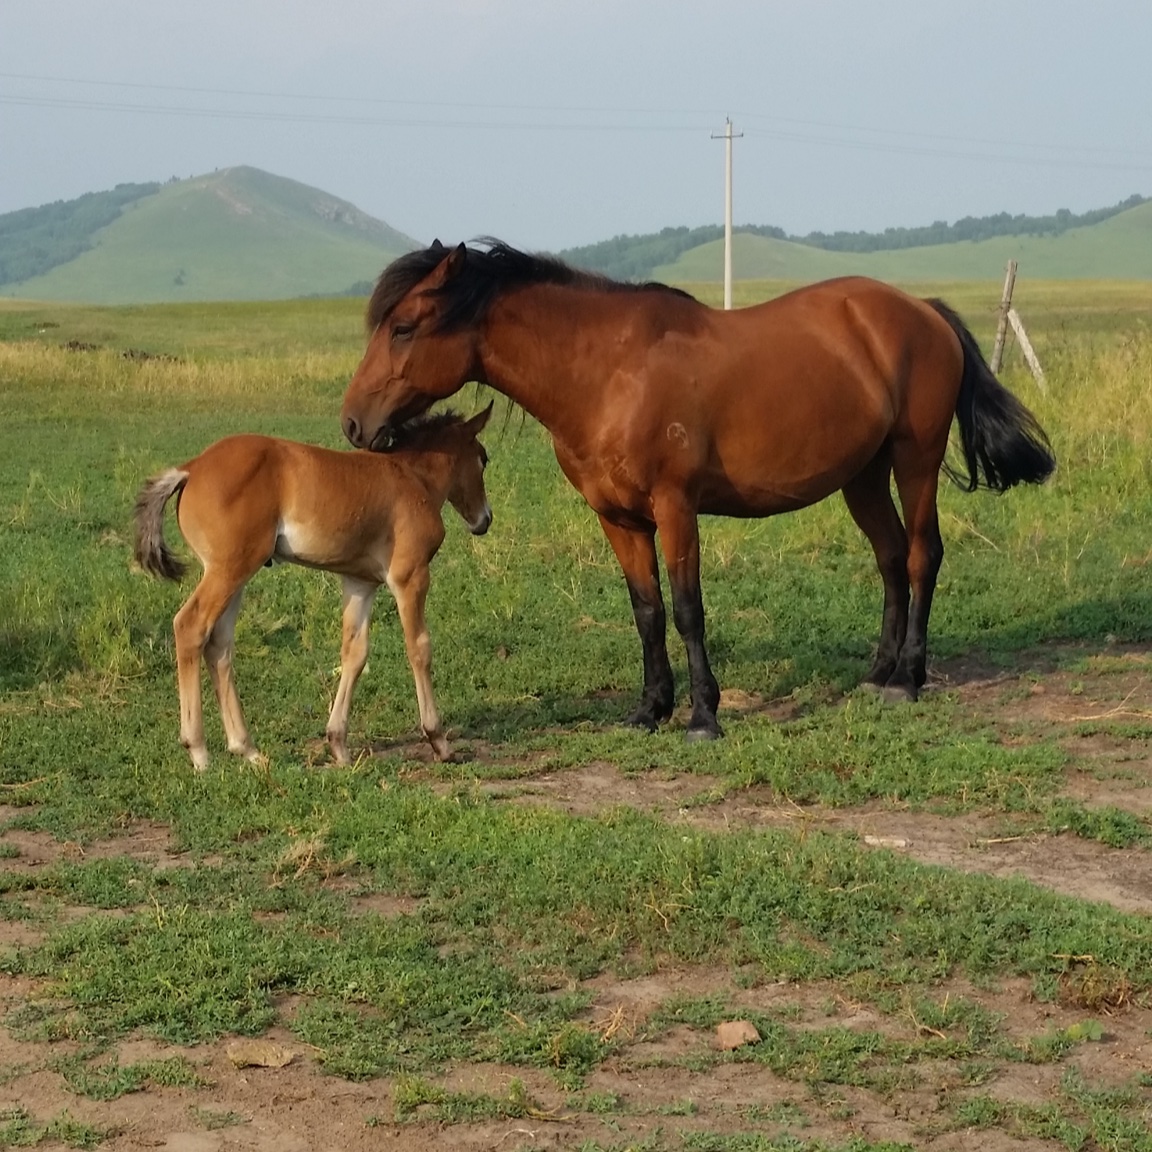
point(795, 456)
point(725, 500)
point(774, 488)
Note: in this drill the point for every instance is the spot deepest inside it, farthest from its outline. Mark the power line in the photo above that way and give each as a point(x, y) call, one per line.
point(257, 93)
point(322, 118)
point(1021, 153)
point(578, 110)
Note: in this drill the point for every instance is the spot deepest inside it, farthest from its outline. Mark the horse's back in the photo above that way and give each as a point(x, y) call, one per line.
point(844, 341)
point(788, 400)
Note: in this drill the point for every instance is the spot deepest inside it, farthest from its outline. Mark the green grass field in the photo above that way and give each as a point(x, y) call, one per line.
point(533, 946)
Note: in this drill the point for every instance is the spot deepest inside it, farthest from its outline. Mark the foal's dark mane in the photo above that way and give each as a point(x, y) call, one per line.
point(421, 432)
point(488, 271)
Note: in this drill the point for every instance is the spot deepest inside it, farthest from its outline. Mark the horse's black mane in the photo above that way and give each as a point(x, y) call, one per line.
point(488, 270)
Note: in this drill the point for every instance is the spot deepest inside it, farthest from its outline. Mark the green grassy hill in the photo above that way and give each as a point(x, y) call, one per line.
point(236, 234)
point(1119, 248)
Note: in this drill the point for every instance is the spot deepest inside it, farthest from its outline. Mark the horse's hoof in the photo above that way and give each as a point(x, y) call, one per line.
point(898, 694)
point(641, 721)
point(871, 687)
point(702, 733)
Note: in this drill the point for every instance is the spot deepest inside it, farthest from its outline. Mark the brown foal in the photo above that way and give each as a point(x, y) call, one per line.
point(371, 517)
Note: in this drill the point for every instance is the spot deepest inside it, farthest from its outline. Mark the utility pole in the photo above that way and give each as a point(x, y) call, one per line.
point(727, 137)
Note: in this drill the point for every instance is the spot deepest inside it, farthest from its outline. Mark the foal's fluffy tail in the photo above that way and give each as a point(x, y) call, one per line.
point(152, 552)
point(1002, 442)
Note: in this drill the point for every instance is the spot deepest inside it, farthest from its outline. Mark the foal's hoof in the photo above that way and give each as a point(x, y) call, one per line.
point(441, 749)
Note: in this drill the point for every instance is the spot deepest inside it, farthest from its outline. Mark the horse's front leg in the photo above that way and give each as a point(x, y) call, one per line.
point(411, 591)
point(680, 538)
point(636, 551)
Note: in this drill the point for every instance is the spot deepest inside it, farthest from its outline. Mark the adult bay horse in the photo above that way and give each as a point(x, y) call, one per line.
point(374, 519)
point(661, 408)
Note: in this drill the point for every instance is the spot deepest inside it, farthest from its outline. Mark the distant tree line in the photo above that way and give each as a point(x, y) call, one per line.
point(969, 228)
point(635, 257)
point(35, 240)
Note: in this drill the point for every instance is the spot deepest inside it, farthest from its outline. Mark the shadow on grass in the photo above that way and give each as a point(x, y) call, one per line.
point(816, 674)
point(29, 657)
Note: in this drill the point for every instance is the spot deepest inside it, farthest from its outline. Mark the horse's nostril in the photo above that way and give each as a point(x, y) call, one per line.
point(352, 431)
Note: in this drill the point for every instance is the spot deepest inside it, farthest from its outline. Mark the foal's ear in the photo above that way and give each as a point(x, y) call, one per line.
point(476, 424)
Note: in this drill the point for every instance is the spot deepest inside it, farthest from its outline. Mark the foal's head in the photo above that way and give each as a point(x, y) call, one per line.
point(450, 433)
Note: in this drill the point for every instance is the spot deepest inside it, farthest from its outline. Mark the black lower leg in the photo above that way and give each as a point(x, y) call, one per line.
point(892, 630)
point(658, 695)
point(688, 612)
point(911, 671)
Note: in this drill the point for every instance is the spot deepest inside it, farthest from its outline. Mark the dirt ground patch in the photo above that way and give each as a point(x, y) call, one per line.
point(669, 1084)
point(659, 1085)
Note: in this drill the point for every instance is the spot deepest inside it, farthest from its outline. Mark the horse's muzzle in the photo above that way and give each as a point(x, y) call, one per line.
point(483, 523)
point(383, 440)
point(352, 432)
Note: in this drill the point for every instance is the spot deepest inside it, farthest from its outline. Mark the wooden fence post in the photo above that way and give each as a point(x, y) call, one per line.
point(1009, 315)
point(1002, 322)
point(1026, 348)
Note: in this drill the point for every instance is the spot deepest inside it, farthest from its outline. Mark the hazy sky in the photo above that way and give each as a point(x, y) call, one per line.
point(551, 123)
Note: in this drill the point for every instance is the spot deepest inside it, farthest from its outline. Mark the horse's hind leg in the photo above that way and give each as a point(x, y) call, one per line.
point(869, 500)
point(916, 481)
point(680, 539)
point(218, 653)
point(358, 600)
point(411, 592)
point(192, 628)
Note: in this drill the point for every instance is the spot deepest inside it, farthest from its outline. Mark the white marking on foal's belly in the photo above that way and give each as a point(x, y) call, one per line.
point(289, 541)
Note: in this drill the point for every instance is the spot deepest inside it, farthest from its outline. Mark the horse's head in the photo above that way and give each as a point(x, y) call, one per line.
point(467, 493)
point(419, 350)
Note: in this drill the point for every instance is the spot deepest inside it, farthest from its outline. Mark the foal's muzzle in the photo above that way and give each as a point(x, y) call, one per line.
point(481, 525)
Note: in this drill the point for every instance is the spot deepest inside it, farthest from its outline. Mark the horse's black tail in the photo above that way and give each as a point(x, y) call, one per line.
point(1002, 442)
point(152, 551)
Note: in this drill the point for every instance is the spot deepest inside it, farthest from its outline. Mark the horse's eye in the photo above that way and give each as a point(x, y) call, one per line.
point(402, 331)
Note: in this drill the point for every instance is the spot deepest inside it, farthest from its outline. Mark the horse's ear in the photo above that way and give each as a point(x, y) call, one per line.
point(435, 246)
point(476, 424)
point(455, 261)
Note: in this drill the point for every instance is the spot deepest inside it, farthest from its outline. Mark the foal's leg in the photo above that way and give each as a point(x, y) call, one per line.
point(411, 592)
point(358, 599)
point(192, 626)
point(869, 500)
point(636, 551)
point(218, 653)
point(680, 538)
point(917, 478)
